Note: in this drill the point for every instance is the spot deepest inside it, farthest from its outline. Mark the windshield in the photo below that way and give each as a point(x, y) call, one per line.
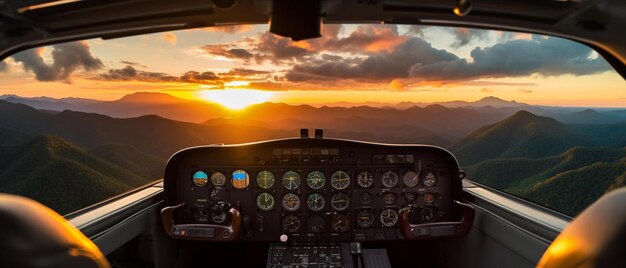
point(539, 117)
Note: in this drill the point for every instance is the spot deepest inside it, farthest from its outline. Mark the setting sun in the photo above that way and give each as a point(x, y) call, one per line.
point(236, 98)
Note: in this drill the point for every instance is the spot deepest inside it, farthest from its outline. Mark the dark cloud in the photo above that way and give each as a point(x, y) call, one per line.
point(67, 58)
point(198, 77)
point(544, 56)
point(464, 35)
point(4, 66)
point(227, 51)
point(377, 66)
point(130, 73)
point(135, 64)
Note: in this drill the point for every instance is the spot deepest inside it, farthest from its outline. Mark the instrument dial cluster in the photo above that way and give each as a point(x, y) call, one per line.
point(357, 197)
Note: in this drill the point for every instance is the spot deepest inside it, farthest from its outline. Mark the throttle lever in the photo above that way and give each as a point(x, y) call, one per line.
point(437, 229)
point(206, 232)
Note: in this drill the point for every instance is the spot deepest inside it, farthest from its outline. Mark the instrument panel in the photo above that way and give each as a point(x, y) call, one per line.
point(313, 189)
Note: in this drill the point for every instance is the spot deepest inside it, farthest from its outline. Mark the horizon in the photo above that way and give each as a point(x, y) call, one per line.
point(344, 104)
point(237, 66)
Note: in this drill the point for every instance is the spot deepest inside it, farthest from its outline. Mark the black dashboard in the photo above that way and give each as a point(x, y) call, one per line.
point(310, 189)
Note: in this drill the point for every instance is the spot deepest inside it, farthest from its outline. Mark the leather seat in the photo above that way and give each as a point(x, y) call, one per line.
point(596, 238)
point(32, 235)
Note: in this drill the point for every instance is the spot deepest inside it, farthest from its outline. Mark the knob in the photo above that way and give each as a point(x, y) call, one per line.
point(284, 238)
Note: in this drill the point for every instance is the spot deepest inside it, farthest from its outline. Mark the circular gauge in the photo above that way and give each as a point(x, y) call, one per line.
point(340, 201)
point(365, 218)
point(411, 179)
point(218, 179)
point(429, 214)
point(265, 201)
point(340, 223)
point(340, 180)
point(200, 178)
point(315, 224)
point(429, 198)
point(430, 179)
point(218, 217)
point(410, 197)
point(291, 180)
point(291, 223)
point(200, 215)
point(389, 217)
point(390, 179)
point(315, 202)
point(240, 179)
point(365, 179)
point(265, 179)
point(316, 180)
point(366, 198)
point(291, 202)
point(389, 198)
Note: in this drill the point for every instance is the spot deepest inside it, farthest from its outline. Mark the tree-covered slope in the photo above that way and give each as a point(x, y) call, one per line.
point(521, 135)
point(61, 175)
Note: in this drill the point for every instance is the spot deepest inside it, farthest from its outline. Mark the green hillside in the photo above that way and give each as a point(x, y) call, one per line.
point(61, 175)
point(11, 137)
point(131, 159)
point(567, 182)
point(521, 135)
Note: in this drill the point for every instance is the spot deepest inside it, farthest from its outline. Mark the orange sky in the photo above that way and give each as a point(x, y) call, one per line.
point(356, 64)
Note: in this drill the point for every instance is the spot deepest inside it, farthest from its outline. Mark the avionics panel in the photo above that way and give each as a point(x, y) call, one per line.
point(311, 189)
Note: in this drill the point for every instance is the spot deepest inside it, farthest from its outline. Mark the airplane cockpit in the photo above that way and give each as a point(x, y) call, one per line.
point(180, 146)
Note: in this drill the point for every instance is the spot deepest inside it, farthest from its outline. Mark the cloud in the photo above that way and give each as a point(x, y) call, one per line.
point(4, 67)
point(227, 51)
point(129, 73)
point(66, 58)
point(243, 72)
point(464, 36)
point(136, 64)
point(520, 57)
point(170, 38)
point(526, 91)
point(385, 65)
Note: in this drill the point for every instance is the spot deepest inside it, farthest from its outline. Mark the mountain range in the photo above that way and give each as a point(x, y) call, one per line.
point(517, 148)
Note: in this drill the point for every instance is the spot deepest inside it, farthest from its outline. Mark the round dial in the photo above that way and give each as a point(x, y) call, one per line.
point(291, 202)
point(389, 198)
point(365, 218)
point(240, 179)
point(315, 224)
point(316, 180)
point(429, 198)
point(200, 215)
point(265, 179)
point(389, 217)
point(218, 217)
point(340, 201)
point(340, 223)
point(429, 214)
point(430, 179)
point(291, 223)
point(366, 198)
point(390, 179)
point(200, 178)
point(315, 202)
point(411, 179)
point(365, 179)
point(410, 197)
point(340, 180)
point(218, 179)
point(291, 180)
point(265, 201)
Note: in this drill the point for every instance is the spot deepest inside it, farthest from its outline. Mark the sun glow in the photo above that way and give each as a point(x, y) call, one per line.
point(236, 98)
